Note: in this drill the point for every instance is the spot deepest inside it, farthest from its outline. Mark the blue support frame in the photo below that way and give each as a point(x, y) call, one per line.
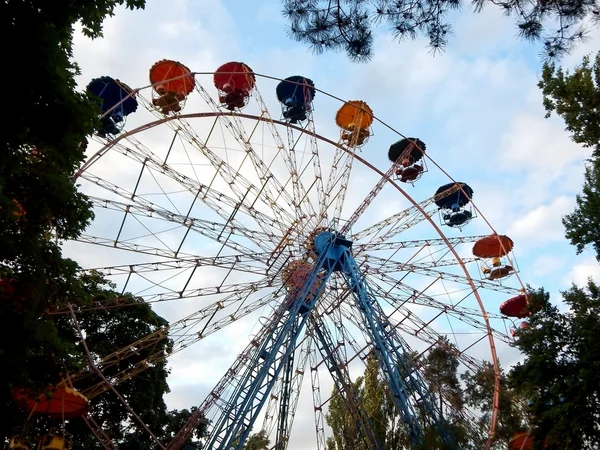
point(409, 391)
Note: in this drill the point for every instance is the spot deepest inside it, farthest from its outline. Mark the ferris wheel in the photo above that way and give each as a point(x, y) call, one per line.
point(237, 203)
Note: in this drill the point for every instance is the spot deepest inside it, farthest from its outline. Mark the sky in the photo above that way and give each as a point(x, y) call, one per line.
point(476, 106)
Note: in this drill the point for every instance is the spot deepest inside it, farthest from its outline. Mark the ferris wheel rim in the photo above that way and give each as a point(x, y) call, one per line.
point(149, 125)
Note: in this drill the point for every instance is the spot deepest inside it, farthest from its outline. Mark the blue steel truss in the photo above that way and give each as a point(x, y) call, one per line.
point(269, 358)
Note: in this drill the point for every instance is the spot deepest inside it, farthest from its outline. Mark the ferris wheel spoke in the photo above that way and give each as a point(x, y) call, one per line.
point(136, 275)
point(403, 220)
point(397, 223)
point(131, 247)
point(240, 262)
point(216, 231)
point(411, 295)
point(408, 296)
point(234, 178)
point(309, 129)
point(213, 199)
point(410, 324)
point(479, 284)
point(338, 184)
point(289, 156)
point(208, 194)
point(183, 333)
point(270, 184)
point(453, 241)
point(171, 295)
point(367, 201)
point(390, 265)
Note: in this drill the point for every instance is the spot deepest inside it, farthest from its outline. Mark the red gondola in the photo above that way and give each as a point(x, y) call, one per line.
point(515, 307)
point(234, 81)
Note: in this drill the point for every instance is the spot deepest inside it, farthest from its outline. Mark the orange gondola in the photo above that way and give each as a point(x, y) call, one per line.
point(493, 246)
point(354, 118)
point(18, 442)
point(18, 210)
point(354, 114)
point(173, 82)
point(62, 402)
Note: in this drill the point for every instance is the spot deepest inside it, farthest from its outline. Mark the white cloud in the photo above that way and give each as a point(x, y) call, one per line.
point(542, 225)
point(582, 271)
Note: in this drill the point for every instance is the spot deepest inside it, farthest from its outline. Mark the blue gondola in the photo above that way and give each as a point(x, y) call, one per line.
point(296, 94)
point(111, 92)
point(453, 205)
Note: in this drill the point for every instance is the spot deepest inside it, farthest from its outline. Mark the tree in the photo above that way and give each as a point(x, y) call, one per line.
point(106, 331)
point(258, 441)
point(440, 372)
point(374, 398)
point(346, 434)
point(348, 25)
point(479, 394)
point(583, 224)
point(576, 98)
point(40, 206)
point(46, 129)
point(561, 372)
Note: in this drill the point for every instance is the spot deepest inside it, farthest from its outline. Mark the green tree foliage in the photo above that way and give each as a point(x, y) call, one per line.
point(258, 441)
point(45, 127)
point(582, 226)
point(479, 395)
point(349, 25)
point(346, 433)
point(561, 371)
point(576, 98)
point(440, 371)
point(106, 331)
point(373, 396)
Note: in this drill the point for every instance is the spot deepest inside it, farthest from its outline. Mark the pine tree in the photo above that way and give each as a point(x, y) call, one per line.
point(349, 25)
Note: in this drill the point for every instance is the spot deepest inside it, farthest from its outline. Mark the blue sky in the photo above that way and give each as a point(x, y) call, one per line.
point(476, 106)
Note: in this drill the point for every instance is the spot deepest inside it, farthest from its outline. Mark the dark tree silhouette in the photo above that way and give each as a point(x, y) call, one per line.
point(45, 125)
point(560, 374)
point(348, 25)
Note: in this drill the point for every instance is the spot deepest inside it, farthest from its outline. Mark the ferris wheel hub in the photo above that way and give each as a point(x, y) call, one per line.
point(331, 247)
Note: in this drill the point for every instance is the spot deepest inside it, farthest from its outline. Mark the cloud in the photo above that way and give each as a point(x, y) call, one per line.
point(581, 272)
point(543, 224)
